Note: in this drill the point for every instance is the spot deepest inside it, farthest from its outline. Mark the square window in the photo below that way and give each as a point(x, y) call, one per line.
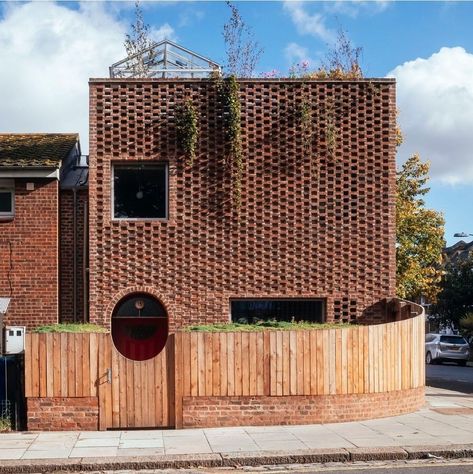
point(140, 191)
point(7, 198)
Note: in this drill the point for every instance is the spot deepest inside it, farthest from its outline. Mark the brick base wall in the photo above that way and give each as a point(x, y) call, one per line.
point(63, 414)
point(295, 410)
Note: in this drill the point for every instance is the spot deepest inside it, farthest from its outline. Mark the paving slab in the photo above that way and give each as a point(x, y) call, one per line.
point(97, 442)
point(93, 452)
point(12, 453)
point(140, 452)
point(99, 434)
point(154, 434)
point(268, 445)
point(47, 454)
point(141, 443)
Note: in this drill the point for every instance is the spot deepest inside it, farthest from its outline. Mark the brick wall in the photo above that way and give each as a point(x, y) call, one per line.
point(63, 414)
point(317, 210)
point(29, 255)
point(67, 255)
point(297, 410)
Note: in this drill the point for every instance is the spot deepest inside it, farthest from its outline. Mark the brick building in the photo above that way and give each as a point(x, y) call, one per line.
point(39, 176)
point(313, 236)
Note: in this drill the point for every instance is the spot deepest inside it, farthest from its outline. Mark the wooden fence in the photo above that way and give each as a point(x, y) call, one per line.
point(357, 360)
point(354, 360)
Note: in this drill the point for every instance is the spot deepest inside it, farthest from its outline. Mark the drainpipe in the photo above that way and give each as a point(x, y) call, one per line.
point(85, 264)
point(74, 255)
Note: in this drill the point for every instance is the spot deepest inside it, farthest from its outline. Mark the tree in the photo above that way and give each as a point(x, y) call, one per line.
point(242, 50)
point(455, 300)
point(139, 43)
point(343, 59)
point(419, 234)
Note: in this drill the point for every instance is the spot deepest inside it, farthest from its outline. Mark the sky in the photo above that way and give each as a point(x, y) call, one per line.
point(48, 50)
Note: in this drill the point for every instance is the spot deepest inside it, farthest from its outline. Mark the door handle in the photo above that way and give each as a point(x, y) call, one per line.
point(109, 375)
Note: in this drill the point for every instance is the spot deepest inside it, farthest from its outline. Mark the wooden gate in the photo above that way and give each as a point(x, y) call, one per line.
point(130, 394)
point(135, 394)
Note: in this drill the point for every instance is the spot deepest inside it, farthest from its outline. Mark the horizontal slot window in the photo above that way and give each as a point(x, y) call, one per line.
point(253, 311)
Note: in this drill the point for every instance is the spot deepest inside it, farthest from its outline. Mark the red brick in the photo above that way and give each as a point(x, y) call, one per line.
point(311, 223)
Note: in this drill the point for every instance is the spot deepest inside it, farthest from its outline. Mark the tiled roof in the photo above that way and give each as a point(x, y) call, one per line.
point(35, 149)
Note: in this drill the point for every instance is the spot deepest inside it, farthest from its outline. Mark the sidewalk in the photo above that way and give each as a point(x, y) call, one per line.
point(443, 427)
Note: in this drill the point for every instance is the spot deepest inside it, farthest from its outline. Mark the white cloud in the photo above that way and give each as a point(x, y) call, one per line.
point(314, 24)
point(435, 99)
point(166, 31)
point(190, 16)
point(47, 54)
point(306, 23)
point(295, 53)
point(355, 7)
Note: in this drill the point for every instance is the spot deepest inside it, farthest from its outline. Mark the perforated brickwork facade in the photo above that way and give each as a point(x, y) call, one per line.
point(317, 209)
point(29, 254)
point(67, 250)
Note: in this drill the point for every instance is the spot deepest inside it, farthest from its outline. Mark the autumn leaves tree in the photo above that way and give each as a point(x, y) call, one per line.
point(419, 236)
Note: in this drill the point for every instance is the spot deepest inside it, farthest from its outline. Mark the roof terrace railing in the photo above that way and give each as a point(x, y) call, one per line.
point(164, 60)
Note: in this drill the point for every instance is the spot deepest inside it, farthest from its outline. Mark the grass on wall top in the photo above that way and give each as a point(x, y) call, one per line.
point(264, 326)
point(70, 327)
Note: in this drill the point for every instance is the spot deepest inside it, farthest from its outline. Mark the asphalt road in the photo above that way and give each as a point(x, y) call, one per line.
point(450, 376)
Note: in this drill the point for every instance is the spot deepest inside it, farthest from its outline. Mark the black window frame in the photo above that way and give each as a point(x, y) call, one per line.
point(140, 165)
point(322, 302)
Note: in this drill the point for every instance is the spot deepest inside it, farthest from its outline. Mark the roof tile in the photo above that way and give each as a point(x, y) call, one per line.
point(35, 149)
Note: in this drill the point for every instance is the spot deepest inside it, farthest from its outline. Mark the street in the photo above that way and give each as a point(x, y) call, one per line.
point(450, 376)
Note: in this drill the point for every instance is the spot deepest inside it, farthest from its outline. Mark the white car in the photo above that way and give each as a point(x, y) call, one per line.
point(446, 348)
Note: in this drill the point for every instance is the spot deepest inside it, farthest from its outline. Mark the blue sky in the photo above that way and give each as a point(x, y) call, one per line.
point(48, 50)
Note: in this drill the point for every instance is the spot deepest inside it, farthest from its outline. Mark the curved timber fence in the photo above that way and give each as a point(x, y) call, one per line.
point(225, 379)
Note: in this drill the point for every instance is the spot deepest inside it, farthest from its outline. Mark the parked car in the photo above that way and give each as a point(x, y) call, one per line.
point(446, 348)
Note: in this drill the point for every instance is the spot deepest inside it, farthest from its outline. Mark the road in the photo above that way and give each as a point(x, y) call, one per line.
point(451, 377)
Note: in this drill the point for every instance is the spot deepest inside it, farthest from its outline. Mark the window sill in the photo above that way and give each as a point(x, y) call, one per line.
point(140, 219)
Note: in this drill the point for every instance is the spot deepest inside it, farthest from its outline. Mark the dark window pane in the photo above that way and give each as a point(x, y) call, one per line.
point(452, 340)
point(140, 192)
point(252, 311)
point(5, 201)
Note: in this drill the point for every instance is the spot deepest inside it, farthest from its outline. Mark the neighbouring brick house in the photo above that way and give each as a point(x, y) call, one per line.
point(316, 222)
point(39, 176)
